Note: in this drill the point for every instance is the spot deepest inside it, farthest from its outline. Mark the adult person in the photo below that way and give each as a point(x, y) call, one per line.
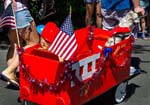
point(42, 10)
point(45, 9)
point(91, 6)
point(25, 31)
point(114, 10)
point(148, 19)
point(143, 21)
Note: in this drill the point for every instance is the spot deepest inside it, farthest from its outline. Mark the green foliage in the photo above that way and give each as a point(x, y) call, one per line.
point(34, 7)
point(62, 10)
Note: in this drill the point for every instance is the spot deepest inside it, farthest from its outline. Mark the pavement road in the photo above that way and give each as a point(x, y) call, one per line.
point(138, 87)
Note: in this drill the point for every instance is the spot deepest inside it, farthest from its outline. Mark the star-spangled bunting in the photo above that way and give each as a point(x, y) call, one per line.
point(7, 18)
point(65, 44)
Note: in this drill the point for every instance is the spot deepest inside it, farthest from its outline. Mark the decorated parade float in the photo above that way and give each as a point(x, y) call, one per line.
point(97, 61)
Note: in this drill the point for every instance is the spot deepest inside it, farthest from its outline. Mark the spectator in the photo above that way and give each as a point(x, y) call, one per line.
point(92, 5)
point(148, 20)
point(143, 23)
point(26, 29)
point(114, 10)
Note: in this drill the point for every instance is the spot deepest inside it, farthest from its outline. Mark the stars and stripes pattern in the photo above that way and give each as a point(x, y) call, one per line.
point(7, 18)
point(65, 44)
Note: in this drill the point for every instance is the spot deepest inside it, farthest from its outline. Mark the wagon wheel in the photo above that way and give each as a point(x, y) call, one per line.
point(24, 102)
point(120, 92)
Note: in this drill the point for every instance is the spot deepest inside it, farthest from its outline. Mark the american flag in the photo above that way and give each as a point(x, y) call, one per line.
point(7, 18)
point(65, 44)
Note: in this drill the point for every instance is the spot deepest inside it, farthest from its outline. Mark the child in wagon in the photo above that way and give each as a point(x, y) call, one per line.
point(48, 33)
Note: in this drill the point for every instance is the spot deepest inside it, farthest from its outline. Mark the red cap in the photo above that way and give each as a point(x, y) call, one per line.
point(50, 31)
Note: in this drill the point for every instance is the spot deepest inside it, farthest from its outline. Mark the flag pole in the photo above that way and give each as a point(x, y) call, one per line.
point(18, 41)
point(70, 10)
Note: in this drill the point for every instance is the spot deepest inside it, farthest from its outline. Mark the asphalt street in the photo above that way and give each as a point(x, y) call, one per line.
point(138, 86)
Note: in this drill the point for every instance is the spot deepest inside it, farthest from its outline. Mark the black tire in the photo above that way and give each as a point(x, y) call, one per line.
point(24, 102)
point(120, 92)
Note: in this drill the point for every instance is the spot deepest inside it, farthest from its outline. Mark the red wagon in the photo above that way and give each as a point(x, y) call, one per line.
point(96, 68)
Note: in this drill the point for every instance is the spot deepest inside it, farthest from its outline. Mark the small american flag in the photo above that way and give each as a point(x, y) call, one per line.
point(7, 18)
point(65, 44)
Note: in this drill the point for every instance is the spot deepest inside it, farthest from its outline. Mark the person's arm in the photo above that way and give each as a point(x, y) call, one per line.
point(137, 7)
point(136, 3)
point(43, 7)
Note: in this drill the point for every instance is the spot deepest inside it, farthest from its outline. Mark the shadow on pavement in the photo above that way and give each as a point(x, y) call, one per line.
point(131, 88)
point(104, 99)
point(140, 48)
point(6, 86)
point(4, 46)
point(135, 62)
point(12, 87)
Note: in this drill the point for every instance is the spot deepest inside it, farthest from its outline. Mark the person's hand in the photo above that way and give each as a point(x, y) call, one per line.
point(42, 12)
point(139, 9)
point(44, 44)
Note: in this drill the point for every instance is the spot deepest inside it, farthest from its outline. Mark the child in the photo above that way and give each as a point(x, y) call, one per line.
point(48, 33)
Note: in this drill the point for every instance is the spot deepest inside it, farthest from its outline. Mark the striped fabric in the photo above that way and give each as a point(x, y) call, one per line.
point(7, 18)
point(65, 44)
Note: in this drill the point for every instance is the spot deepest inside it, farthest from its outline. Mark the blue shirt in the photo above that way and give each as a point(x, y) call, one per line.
point(116, 4)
